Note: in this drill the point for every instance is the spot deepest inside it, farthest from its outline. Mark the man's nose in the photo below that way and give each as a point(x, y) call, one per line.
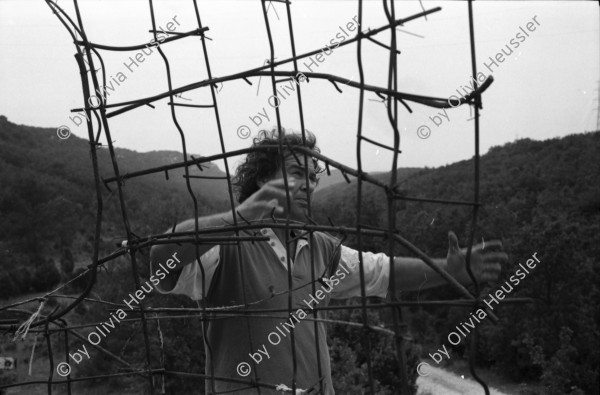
point(311, 186)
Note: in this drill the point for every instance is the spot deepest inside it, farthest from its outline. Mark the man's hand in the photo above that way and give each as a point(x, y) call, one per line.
point(271, 195)
point(485, 263)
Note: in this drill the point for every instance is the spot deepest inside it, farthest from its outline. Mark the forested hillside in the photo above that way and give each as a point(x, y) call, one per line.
point(536, 196)
point(48, 202)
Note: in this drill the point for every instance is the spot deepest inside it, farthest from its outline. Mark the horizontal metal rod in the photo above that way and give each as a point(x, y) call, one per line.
point(242, 75)
point(87, 378)
point(445, 275)
point(206, 177)
point(379, 144)
point(195, 32)
point(224, 312)
point(217, 310)
point(345, 169)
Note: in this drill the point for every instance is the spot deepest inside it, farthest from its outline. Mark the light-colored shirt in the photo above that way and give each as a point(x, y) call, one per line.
point(237, 339)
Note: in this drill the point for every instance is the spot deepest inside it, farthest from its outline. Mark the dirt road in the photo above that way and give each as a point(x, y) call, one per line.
point(442, 382)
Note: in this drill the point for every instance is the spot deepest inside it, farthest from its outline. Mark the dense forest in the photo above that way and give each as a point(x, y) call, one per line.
point(48, 202)
point(536, 196)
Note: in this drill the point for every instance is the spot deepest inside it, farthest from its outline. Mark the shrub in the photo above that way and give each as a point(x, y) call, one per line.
point(45, 276)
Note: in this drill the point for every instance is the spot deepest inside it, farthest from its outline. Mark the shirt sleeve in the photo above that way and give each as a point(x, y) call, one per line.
point(376, 269)
point(189, 282)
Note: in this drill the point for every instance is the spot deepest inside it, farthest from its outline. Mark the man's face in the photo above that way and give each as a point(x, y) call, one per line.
point(298, 194)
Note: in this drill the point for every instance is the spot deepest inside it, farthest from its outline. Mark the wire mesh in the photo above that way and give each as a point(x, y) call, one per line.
point(88, 52)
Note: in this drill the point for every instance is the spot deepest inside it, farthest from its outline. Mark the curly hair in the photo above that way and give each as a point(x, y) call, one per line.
point(262, 164)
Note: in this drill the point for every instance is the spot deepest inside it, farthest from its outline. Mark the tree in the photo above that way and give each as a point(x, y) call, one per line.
point(66, 263)
point(45, 276)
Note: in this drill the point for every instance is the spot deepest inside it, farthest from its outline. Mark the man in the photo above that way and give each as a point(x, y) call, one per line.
point(259, 345)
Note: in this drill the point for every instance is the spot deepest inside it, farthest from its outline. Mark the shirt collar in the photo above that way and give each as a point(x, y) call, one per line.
point(278, 247)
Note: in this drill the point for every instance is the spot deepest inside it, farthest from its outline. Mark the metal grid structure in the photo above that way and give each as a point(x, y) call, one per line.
point(98, 123)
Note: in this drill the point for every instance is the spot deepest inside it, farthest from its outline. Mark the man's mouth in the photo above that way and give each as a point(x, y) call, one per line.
point(302, 202)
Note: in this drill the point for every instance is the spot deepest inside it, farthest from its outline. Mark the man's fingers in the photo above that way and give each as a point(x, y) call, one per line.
point(280, 182)
point(274, 204)
point(488, 245)
point(270, 192)
point(295, 188)
point(495, 267)
point(279, 185)
point(491, 272)
point(276, 189)
point(453, 242)
point(294, 185)
point(495, 257)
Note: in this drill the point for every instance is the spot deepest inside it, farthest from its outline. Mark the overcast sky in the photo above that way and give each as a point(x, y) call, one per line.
point(547, 87)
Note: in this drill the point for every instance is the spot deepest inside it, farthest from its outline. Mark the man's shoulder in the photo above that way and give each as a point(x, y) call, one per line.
point(328, 238)
point(325, 234)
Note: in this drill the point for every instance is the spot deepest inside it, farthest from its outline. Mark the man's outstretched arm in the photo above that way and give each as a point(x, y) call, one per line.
point(271, 196)
point(185, 253)
point(412, 274)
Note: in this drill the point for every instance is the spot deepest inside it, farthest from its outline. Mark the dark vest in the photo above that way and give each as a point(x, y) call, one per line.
point(234, 340)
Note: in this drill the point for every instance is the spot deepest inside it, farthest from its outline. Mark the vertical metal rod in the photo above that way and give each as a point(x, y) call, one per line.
point(66, 334)
point(232, 207)
point(280, 133)
point(316, 313)
point(399, 328)
point(365, 318)
point(50, 358)
point(473, 342)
